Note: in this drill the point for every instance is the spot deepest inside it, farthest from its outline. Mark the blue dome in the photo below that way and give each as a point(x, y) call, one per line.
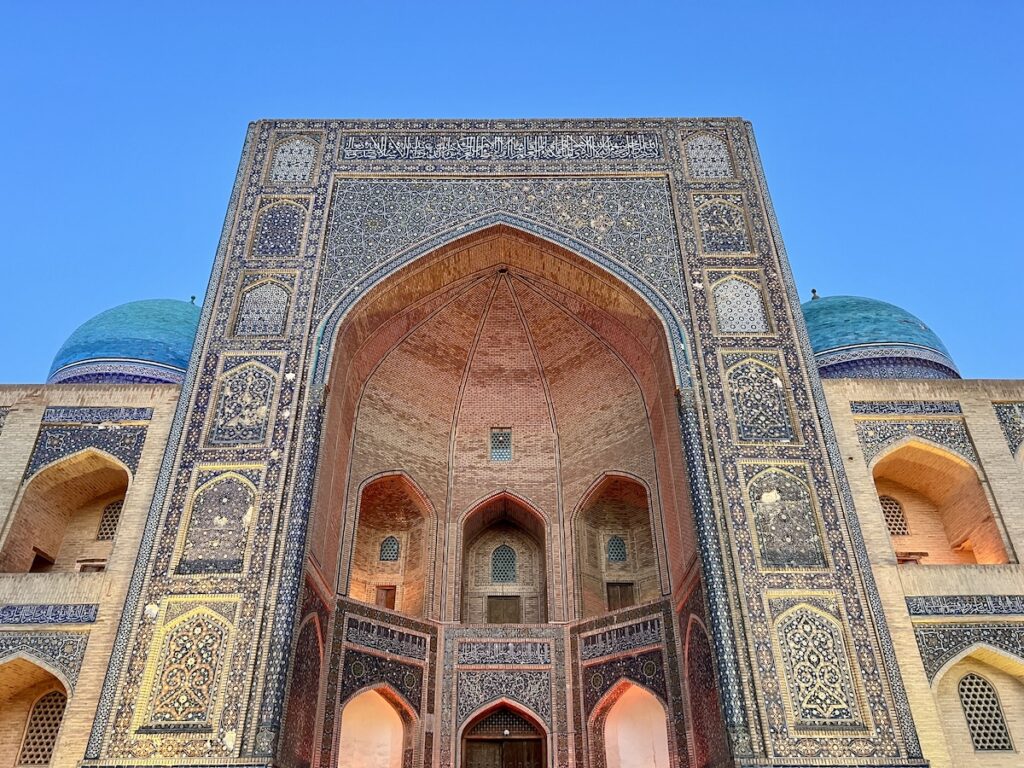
point(858, 338)
point(138, 342)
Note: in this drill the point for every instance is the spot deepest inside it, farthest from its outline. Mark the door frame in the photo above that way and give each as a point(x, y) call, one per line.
point(500, 703)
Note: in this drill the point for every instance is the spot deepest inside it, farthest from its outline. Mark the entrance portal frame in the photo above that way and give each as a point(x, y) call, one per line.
point(694, 227)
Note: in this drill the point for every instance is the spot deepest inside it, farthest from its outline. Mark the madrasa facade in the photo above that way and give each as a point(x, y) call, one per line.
point(509, 444)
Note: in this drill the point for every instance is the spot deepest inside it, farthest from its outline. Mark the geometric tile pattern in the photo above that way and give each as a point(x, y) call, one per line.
point(62, 651)
point(707, 157)
point(876, 436)
point(1011, 419)
point(56, 442)
point(939, 643)
point(739, 307)
point(293, 160)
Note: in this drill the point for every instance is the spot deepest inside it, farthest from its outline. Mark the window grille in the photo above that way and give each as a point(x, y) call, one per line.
point(895, 520)
point(616, 550)
point(109, 520)
point(43, 726)
point(984, 715)
point(501, 444)
point(503, 564)
point(389, 549)
point(505, 723)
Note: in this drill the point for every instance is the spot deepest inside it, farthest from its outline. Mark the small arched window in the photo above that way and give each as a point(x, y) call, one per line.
point(503, 564)
point(616, 550)
point(984, 714)
point(895, 520)
point(389, 549)
point(43, 727)
point(109, 520)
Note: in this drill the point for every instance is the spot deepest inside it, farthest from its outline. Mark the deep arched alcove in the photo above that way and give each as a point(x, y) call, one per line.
point(500, 335)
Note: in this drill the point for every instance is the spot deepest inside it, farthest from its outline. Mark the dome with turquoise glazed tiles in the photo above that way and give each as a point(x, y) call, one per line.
point(855, 337)
point(141, 342)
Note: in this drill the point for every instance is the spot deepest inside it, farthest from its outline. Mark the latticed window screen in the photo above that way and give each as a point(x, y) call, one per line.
point(389, 549)
point(43, 725)
point(501, 444)
point(109, 520)
point(894, 517)
point(504, 722)
point(616, 550)
point(984, 715)
point(503, 564)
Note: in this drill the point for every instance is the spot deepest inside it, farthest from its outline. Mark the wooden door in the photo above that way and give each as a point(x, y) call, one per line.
point(620, 595)
point(504, 610)
point(483, 754)
point(522, 753)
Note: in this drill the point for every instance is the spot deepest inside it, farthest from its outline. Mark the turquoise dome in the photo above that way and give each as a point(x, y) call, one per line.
point(857, 337)
point(138, 342)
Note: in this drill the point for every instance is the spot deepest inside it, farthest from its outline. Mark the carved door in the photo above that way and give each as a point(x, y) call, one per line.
point(511, 753)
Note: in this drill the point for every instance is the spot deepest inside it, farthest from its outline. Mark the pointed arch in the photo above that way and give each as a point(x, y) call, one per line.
point(263, 308)
point(67, 495)
point(392, 507)
point(706, 725)
point(950, 516)
point(245, 398)
point(707, 156)
point(786, 523)
point(293, 159)
point(503, 523)
point(630, 726)
point(617, 505)
point(739, 306)
point(504, 728)
point(975, 690)
point(219, 521)
point(185, 680)
point(301, 721)
point(279, 228)
point(817, 665)
point(377, 729)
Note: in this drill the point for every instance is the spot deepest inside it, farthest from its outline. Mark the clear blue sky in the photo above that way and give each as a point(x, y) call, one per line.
point(889, 133)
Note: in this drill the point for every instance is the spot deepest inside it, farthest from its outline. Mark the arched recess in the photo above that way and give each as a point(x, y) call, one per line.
point(32, 701)
point(611, 403)
point(56, 523)
point(501, 734)
point(616, 553)
point(377, 730)
point(980, 713)
point(504, 563)
point(947, 511)
point(629, 728)
point(298, 737)
point(394, 535)
point(710, 745)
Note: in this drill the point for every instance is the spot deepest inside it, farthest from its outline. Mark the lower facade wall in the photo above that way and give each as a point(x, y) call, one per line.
point(565, 678)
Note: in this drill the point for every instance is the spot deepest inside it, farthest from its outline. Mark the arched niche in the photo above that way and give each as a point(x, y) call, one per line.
point(504, 571)
point(394, 533)
point(979, 695)
point(707, 735)
point(299, 734)
point(32, 703)
point(375, 731)
point(504, 736)
point(498, 329)
point(630, 726)
point(945, 508)
point(616, 553)
point(56, 525)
